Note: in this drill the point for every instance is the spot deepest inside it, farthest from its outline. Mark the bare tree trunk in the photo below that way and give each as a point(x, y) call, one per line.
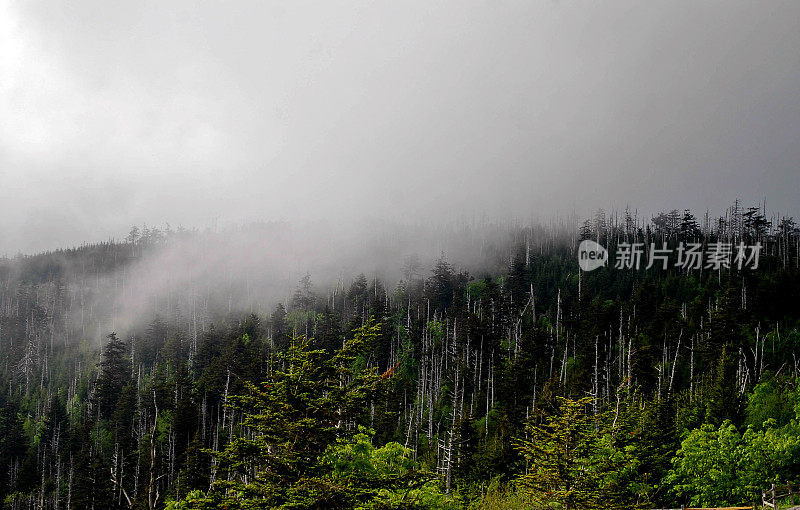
point(152, 489)
point(674, 363)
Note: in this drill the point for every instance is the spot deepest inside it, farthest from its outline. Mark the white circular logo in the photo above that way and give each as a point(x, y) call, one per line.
point(591, 255)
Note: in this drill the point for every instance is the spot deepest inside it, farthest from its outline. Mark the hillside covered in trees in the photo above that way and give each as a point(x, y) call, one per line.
point(505, 378)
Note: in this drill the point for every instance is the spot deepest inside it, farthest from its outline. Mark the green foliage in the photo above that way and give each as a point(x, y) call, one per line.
point(705, 468)
point(385, 477)
point(770, 400)
point(499, 496)
point(299, 447)
point(718, 465)
point(571, 459)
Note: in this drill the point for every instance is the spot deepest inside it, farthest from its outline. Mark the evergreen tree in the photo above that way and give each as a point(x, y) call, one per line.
point(280, 328)
point(115, 372)
point(567, 459)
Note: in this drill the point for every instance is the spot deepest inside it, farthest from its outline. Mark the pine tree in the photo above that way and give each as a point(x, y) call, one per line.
point(115, 373)
point(280, 329)
point(567, 459)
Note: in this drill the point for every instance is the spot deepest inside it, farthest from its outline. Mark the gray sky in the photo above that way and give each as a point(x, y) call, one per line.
point(115, 113)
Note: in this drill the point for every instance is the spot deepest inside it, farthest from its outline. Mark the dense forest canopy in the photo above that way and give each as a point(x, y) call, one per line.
point(484, 369)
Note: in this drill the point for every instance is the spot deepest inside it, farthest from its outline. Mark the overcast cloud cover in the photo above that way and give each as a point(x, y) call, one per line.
point(115, 113)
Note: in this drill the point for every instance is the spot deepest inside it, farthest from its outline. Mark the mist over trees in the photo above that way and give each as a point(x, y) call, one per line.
point(418, 367)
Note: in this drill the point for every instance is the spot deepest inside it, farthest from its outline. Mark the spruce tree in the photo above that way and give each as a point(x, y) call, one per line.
point(115, 373)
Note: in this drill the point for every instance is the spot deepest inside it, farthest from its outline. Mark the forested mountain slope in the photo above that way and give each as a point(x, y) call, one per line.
point(519, 380)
